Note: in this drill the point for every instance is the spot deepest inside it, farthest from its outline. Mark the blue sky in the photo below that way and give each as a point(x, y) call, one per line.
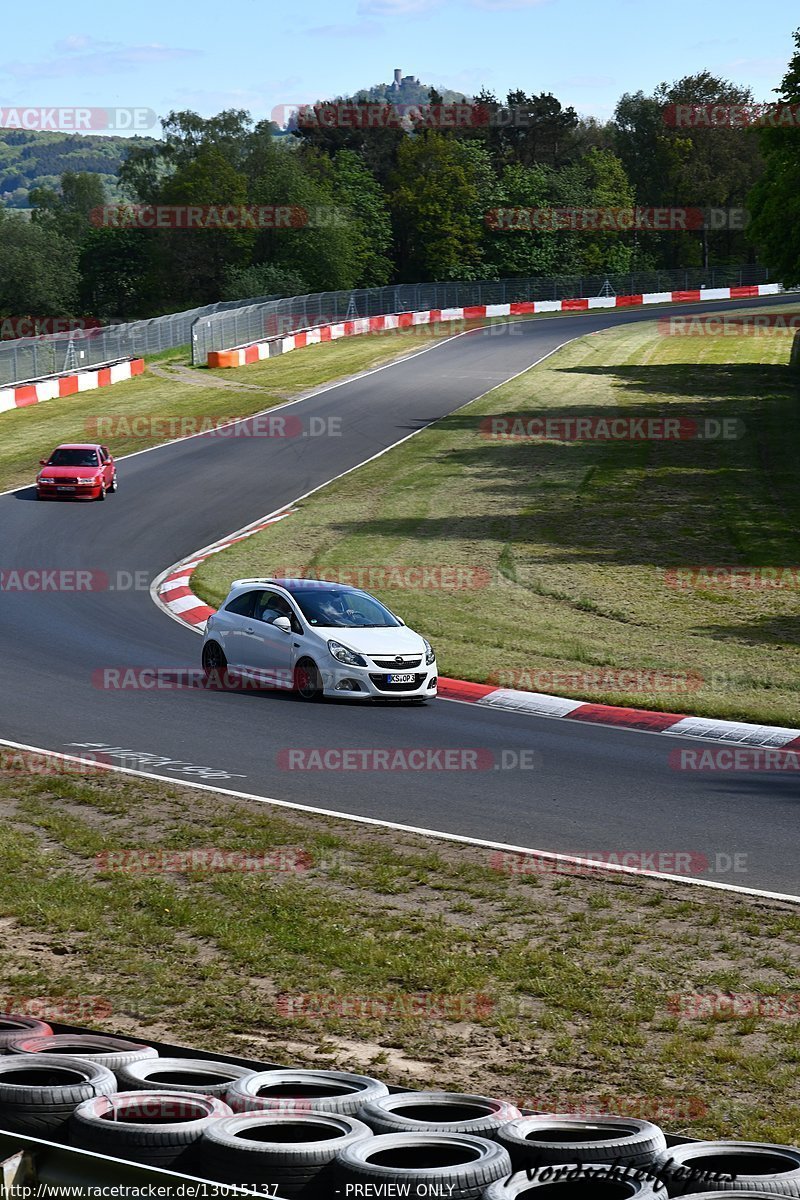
point(257, 54)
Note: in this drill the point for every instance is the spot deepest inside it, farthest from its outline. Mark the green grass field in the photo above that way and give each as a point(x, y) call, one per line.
point(571, 542)
point(551, 990)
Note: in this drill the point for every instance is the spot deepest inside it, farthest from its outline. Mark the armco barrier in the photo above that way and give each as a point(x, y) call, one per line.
point(239, 356)
point(68, 385)
point(256, 322)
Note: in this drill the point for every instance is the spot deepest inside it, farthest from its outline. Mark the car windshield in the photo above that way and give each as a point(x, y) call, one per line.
point(343, 608)
point(73, 458)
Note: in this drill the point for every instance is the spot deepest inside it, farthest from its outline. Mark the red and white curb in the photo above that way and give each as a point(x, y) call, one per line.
point(56, 386)
point(540, 704)
point(240, 356)
point(173, 592)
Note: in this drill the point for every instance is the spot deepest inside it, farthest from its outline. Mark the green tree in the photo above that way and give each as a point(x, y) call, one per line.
point(119, 278)
point(38, 269)
point(69, 210)
point(191, 263)
point(265, 279)
point(775, 199)
point(324, 250)
point(610, 187)
point(433, 199)
point(360, 195)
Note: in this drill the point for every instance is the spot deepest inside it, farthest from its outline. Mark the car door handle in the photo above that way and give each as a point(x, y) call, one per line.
point(249, 630)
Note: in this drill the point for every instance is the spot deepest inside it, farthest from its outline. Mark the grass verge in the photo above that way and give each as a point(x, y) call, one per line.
point(576, 975)
point(570, 544)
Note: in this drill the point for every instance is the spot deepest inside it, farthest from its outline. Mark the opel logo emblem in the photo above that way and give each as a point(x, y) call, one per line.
point(399, 660)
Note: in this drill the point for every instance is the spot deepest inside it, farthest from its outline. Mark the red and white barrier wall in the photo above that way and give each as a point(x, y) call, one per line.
point(68, 385)
point(268, 347)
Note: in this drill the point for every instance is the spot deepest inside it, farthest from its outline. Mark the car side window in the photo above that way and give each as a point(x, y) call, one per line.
point(105, 456)
point(243, 605)
point(272, 605)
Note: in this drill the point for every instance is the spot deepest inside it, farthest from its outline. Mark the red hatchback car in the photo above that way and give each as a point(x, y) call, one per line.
point(79, 470)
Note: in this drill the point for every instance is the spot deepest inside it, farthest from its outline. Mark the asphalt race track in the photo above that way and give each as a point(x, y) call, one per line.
point(594, 789)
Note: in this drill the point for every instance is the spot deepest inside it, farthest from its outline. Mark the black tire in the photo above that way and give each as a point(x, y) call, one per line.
point(594, 1179)
point(557, 1138)
point(438, 1112)
point(757, 1166)
point(308, 681)
point(114, 485)
point(12, 1027)
point(109, 1052)
point(201, 1075)
point(159, 1128)
point(464, 1163)
point(102, 494)
point(215, 665)
point(296, 1154)
point(300, 1092)
point(39, 1093)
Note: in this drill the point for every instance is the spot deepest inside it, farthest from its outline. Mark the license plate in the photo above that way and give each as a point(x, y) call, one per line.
point(406, 678)
point(65, 489)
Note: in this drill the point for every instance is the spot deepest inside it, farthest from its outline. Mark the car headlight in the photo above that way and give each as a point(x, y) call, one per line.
point(430, 653)
point(345, 655)
point(44, 479)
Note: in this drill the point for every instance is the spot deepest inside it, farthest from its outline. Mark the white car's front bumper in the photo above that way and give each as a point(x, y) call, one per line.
point(371, 682)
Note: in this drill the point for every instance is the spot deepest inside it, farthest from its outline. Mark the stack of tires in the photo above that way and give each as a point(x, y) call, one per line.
point(618, 1158)
point(110, 1095)
point(318, 1134)
point(312, 1135)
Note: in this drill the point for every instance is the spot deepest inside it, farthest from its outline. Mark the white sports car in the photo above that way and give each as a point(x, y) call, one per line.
point(319, 639)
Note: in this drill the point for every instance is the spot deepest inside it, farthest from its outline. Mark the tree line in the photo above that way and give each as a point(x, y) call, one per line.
point(389, 202)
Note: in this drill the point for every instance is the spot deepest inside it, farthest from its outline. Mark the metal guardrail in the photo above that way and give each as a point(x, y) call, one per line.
point(23, 360)
point(257, 321)
point(235, 322)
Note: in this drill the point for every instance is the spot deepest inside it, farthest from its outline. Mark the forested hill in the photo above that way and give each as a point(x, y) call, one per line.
point(36, 159)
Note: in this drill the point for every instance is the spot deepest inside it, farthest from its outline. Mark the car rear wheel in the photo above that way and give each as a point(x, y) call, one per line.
point(307, 680)
point(215, 664)
point(114, 485)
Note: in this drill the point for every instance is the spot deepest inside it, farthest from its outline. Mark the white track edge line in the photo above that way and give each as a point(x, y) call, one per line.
point(461, 839)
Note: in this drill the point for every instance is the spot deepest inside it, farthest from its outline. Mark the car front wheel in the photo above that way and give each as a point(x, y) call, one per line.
point(307, 680)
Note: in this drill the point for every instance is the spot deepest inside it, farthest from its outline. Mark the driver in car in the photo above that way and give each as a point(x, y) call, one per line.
point(332, 609)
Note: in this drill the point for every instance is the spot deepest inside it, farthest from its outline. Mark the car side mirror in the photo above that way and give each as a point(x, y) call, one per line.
point(42, 462)
point(283, 623)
